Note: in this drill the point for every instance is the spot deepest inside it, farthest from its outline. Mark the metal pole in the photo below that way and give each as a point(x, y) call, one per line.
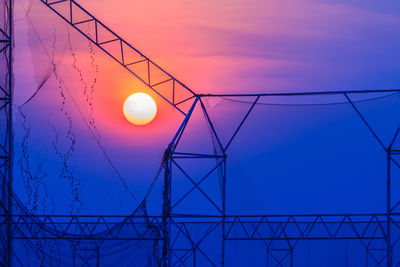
point(10, 138)
point(224, 212)
point(388, 212)
point(166, 210)
point(291, 256)
point(98, 255)
point(194, 258)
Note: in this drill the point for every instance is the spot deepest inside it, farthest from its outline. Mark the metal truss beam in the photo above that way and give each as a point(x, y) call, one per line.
point(6, 94)
point(307, 227)
point(84, 227)
point(175, 228)
point(269, 229)
point(310, 93)
point(238, 227)
point(142, 67)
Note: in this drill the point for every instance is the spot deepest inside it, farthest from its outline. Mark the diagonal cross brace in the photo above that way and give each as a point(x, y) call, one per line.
point(120, 55)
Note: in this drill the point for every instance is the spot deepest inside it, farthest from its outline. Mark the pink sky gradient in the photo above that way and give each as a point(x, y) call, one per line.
point(236, 46)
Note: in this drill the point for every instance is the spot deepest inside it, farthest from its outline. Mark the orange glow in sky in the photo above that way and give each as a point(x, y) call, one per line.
point(244, 47)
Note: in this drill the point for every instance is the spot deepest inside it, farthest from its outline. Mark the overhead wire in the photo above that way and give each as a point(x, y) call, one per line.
point(88, 125)
point(155, 179)
point(309, 104)
point(98, 142)
point(108, 159)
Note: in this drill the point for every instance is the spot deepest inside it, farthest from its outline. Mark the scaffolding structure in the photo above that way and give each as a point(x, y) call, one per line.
point(6, 93)
point(378, 233)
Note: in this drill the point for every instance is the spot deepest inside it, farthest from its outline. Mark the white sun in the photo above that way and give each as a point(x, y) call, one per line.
point(140, 108)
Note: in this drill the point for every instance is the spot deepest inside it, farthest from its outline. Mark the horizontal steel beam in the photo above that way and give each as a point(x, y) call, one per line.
point(341, 92)
point(247, 227)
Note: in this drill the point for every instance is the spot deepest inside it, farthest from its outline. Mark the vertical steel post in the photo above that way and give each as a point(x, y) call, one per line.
point(194, 258)
point(8, 176)
point(388, 211)
point(291, 256)
point(224, 211)
point(166, 227)
point(167, 197)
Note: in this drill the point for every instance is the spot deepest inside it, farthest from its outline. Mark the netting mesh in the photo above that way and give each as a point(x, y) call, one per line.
point(65, 162)
point(75, 154)
point(88, 153)
point(63, 243)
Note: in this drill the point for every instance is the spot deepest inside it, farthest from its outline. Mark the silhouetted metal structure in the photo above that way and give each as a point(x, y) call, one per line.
point(6, 85)
point(279, 233)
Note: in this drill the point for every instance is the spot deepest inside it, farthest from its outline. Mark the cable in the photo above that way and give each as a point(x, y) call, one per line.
point(108, 159)
point(310, 104)
point(153, 183)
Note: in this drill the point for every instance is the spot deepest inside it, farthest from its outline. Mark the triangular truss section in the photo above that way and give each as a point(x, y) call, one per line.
point(131, 55)
point(128, 56)
point(83, 21)
point(62, 8)
point(198, 136)
point(379, 113)
point(165, 88)
point(140, 69)
point(88, 28)
point(113, 48)
point(157, 75)
point(306, 227)
point(181, 94)
point(105, 35)
point(78, 15)
point(279, 257)
point(237, 110)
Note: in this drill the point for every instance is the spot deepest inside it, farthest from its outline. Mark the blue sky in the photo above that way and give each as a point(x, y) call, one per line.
point(305, 154)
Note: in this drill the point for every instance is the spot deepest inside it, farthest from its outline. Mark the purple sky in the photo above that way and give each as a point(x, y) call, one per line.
point(213, 46)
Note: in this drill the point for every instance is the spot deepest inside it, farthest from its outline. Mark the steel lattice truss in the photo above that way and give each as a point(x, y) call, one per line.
point(280, 231)
point(182, 246)
point(5, 128)
point(378, 233)
point(160, 81)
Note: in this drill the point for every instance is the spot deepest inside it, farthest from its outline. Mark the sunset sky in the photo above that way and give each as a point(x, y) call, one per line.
point(237, 46)
point(75, 153)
